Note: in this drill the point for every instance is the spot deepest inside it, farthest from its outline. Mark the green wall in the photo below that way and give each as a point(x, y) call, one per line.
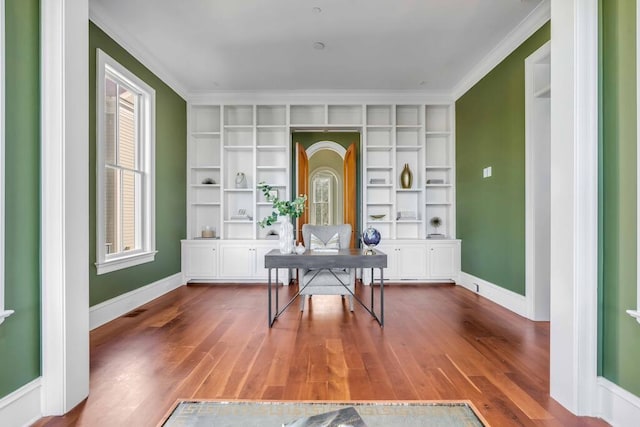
point(171, 152)
point(345, 139)
point(490, 132)
point(20, 333)
point(620, 333)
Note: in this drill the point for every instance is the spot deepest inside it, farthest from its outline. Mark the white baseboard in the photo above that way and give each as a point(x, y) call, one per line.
point(504, 297)
point(617, 406)
point(106, 311)
point(22, 407)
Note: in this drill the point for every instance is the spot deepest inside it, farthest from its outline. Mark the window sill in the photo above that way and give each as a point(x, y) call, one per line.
point(125, 262)
point(635, 314)
point(4, 314)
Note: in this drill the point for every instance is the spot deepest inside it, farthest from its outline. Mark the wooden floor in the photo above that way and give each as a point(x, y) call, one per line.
point(212, 342)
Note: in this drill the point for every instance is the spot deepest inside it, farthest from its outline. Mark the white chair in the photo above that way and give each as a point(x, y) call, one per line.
point(323, 282)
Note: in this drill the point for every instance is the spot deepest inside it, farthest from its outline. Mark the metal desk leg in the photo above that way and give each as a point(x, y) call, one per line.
point(371, 286)
point(270, 322)
point(277, 291)
point(381, 299)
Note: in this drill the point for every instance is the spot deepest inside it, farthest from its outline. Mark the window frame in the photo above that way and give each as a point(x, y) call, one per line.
point(105, 263)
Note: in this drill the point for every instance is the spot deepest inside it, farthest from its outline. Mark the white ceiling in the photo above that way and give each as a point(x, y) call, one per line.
point(267, 45)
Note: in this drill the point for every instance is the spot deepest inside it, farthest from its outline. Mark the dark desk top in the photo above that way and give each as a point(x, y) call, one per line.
point(344, 258)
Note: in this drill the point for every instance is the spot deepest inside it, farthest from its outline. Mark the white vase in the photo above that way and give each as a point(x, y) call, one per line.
point(286, 235)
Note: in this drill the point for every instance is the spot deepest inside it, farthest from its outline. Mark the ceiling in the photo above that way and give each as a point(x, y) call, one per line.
point(268, 45)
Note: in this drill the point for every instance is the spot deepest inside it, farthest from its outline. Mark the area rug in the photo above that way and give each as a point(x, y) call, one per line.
point(373, 414)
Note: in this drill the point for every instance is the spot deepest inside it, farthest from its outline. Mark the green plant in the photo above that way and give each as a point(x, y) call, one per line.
point(293, 208)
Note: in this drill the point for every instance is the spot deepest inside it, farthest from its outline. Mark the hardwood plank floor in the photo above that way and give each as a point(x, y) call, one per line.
point(212, 342)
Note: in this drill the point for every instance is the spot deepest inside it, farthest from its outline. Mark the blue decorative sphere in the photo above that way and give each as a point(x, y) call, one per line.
point(370, 237)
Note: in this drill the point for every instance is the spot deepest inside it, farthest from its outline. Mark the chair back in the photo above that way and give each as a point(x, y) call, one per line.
point(325, 232)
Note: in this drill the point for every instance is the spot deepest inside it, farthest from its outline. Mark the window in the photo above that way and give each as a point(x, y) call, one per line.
point(322, 195)
point(125, 168)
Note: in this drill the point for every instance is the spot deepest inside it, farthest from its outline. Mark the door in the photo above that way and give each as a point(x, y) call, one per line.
point(442, 261)
point(303, 185)
point(349, 193)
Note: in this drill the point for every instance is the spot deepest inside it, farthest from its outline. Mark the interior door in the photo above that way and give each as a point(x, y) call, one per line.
point(302, 173)
point(350, 214)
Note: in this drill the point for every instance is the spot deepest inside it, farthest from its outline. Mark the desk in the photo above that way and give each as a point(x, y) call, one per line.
point(344, 258)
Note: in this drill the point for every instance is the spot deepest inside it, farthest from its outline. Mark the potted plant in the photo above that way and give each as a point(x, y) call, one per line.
point(286, 210)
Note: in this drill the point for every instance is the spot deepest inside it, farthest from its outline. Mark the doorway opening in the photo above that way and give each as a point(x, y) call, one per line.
point(538, 183)
point(327, 171)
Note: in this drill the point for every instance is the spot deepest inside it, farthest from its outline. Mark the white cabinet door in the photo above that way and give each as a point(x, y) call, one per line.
point(237, 261)
point(444, 260)
point(199, 261)
point(411, 261)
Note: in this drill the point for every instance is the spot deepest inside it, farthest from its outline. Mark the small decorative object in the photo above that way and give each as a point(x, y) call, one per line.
point(406, 177)
point(208, 181)
point(435, 181)
point(435, 223)
point(241, 180)
point(370, 238)
point(407, 215)
point(208, 232)
point(377, 181)
point(377, 216)
point(300, 248)
point(272, 234)
point(285, 209)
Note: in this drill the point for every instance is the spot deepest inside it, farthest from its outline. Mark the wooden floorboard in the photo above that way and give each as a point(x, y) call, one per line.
point(440, 342)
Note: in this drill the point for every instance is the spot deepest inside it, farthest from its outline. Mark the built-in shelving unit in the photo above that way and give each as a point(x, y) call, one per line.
point(228, 141)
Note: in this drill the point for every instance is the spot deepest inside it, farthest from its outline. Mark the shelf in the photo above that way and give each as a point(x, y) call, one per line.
point(415, 148)
point(437, 185)
point(437, 133)
point(273, 168)
point(204, 185)
point(408, 190)
point(544, 92)
point(379, 168)
point(271, 147)
point(238, 147)
point(438, 167)
point(379, 204)
point(379, 185)
point(205, 204)
point(238, 221)
point(238, 190)
point(379, 148)
point(438, 203)
point(409, 221)
point(204, 134)
point(205, 167)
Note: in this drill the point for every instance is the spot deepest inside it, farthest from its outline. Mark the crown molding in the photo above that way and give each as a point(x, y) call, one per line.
point(132, 45)
point(529, 25)
point(319, 97)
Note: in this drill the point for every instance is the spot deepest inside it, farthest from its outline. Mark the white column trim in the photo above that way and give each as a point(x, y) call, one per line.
point(574, 204)
point(65, 204)
point(636, 313)
point(4, 313)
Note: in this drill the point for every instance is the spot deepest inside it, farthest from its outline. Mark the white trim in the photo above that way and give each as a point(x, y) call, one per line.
point(136, 49)
point(636, 313)
point(574, 204)
point(525, 29)
point(293, 97)
point(326, 145)
point(64, 77)
point(22, 407)
point(501, 296)
point(106, 263)
point(4, 313)
point(536, 288)
point(617, 406)
point(106, 311)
